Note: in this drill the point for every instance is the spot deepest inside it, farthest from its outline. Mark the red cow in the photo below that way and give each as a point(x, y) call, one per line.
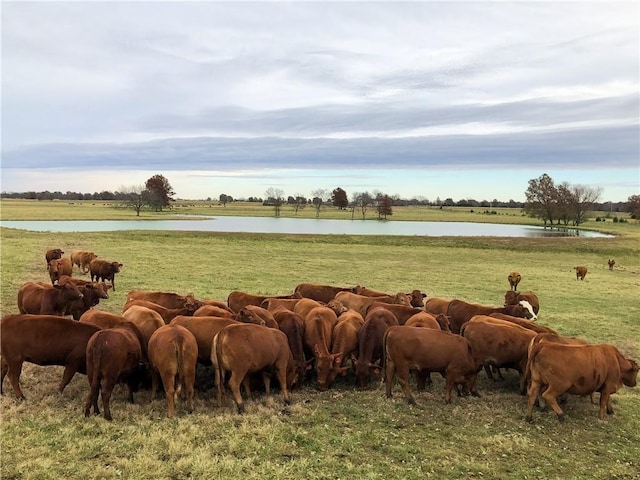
point(436, 305)
point(292, 325)
point(247, 348)
point(273, 304)
point(167, 314)
point(53, 254)
point(39, 300)
point(104, 270)
point(370, 351)
point(430, 351)
point(114, 355)
point(59, 267)
point(401, 312)
point(165, 299)
point(318, 328)
point(320, 292)
point(513, 298)
point(360, 302)
point(82, 259)
point(92, 293)
point(147, 320)
point(514, 279)
point(578, 370)
point(305, 305)
point(43, 340)
point(581, 272)
point(173, 354)
point(344, 342)
point(257, 315)
point(203, 329)
point(460, 312)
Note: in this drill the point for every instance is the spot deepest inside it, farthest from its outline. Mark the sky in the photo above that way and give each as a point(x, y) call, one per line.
point(461, 100)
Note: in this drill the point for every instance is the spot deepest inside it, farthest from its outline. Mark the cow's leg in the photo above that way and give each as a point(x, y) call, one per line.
point(4, 368)
point(281, 373)
point(154, 384)
point(107, 386)
point(532, 397)
point(67, 375)
point(605, 404)
point(389, 373)
point(246, 383)
point(92, 399)
point(113, 282)
point(14, 372)
point(487, 368)
point(423, 378)
point(189, 381)
point(236, 379)
point(168, 379)
point(403, 380)
point(266, 380)
point(550, 396)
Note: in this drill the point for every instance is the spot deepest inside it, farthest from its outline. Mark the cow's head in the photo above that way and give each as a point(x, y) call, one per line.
point(629, 372)
point(246, 315)
point(417, 298)
point(115, 266)
point(337, 306)
point(69, 290)
point(528, 310)
point(402, 299)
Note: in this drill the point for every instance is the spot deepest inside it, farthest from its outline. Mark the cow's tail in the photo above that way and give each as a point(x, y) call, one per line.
point(534, 347)
point(218, 377)
point(179, 381)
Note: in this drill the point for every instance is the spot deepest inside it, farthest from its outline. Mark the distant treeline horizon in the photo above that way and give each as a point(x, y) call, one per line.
point(396, 200)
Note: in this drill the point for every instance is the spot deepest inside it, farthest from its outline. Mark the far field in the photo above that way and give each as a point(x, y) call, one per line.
point(341, 433)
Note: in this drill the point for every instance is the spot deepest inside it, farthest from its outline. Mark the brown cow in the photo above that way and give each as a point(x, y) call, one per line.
point(102, 319)
point(104, 270)
point(512, 297)
point(360, 302)
point(344, 342)
point(514, 279)
point(91, 292)
point(173, 354)
point(114, 355)
point(257, 315)
point(611, 262)
point(166, 299)
point(318, 327)
point(337, 307)
point(578, 370)
point(292, 325)
point(203, 329)
point(213, 311)
point(460, 312)
point(416, 296)
point(581, 272)
point(436, 305)
point(498, 343)
point(167, 314)
point(237, 299)
point(147, 320)
point(247, 348)
point(43, 340)
point(305, 305)
point(59, 267)
point(320, 292)
point(428, 350)
point(53, 254)
point(401, 312)
point(370, 350)
point(422, 319)
point(536, 327)
point(82, 259)
point(39, 300)
point(273, 304)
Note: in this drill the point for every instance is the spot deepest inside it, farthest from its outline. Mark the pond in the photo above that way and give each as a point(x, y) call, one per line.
point(314, 226)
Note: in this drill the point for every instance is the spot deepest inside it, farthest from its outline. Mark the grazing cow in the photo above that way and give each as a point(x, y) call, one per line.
point(173, 354)
point(42, 300)
point(147, 320)
point(318, 328)
point(203, 329)
point(273, 304)
point(213, 311)
point(401, 312)
point(344, 342)
point(514, 279)
point(166, 299)
point(581, 272)
point(337, 307)
point(436, 305)
point(498, 343)
point(422, 319)
point(513, 298)
point(534, 326)
point(59, 267)
point(360, 302)
point(247, 348)
point(428, 350)
point(82, 259)
point(167, 314)
point(370, 350)
point(305, 305)
point(292, 325)
point(320, 292)
point(577, 370)
point(257, 315)
point(43, 340)
point(104, 270)
point(53, 254)
point(114, 355)
point(236, 299)
point(460, 312)
point(611, 262)
point(102, 319)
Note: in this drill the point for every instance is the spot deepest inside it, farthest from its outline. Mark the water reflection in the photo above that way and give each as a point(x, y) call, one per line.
point(300, 226)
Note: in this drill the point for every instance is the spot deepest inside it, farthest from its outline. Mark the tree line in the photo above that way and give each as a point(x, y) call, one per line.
point(561, 204)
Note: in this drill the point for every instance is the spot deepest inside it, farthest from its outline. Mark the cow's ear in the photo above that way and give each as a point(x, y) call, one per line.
point(424, 295)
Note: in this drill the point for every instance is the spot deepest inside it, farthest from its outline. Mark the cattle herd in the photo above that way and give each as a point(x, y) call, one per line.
point(311, 335)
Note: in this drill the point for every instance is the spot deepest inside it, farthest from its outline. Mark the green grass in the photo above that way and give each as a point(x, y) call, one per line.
point(341, 433)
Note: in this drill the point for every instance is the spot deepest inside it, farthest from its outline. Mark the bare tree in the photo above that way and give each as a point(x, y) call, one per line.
point(135, 197)
point(583, 199)
point(633, 206)
point(319, 197)
point(362, 201)
point(275, 197)
point(298, 202)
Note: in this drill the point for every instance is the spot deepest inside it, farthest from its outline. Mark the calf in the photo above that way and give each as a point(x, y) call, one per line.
point(40, 300)
point(173, 354)
point(370, 350)
point(514, 279)
point(578, 370)
point(59, 267)
point(53, 254)
point(82, 259)
point(581, 272)
point(611, 262)
point(247, 348)
point(43, 340)
point(114, 355)
point(104, 270)
point(428, 350)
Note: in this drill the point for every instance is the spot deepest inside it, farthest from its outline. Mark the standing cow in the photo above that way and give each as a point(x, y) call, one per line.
point(104, 270)
point(514, 279)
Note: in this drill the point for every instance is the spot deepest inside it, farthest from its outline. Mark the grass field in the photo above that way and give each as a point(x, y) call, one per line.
point(341, 433)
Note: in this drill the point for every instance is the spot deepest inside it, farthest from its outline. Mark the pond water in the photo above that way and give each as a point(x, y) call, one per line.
point(299, 226)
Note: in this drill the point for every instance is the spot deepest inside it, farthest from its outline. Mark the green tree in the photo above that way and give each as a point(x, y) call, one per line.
point(339, 198)
point(542, 199)
point(383, 206)
point(160, 192)
point(633, 206)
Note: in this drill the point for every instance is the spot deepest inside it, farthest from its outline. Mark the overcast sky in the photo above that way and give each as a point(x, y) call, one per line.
point(429, 99)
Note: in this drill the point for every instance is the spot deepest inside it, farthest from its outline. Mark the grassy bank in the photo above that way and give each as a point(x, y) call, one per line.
point(341, 433)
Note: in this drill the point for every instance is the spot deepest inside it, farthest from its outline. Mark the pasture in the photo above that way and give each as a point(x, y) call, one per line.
point(341, 433)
